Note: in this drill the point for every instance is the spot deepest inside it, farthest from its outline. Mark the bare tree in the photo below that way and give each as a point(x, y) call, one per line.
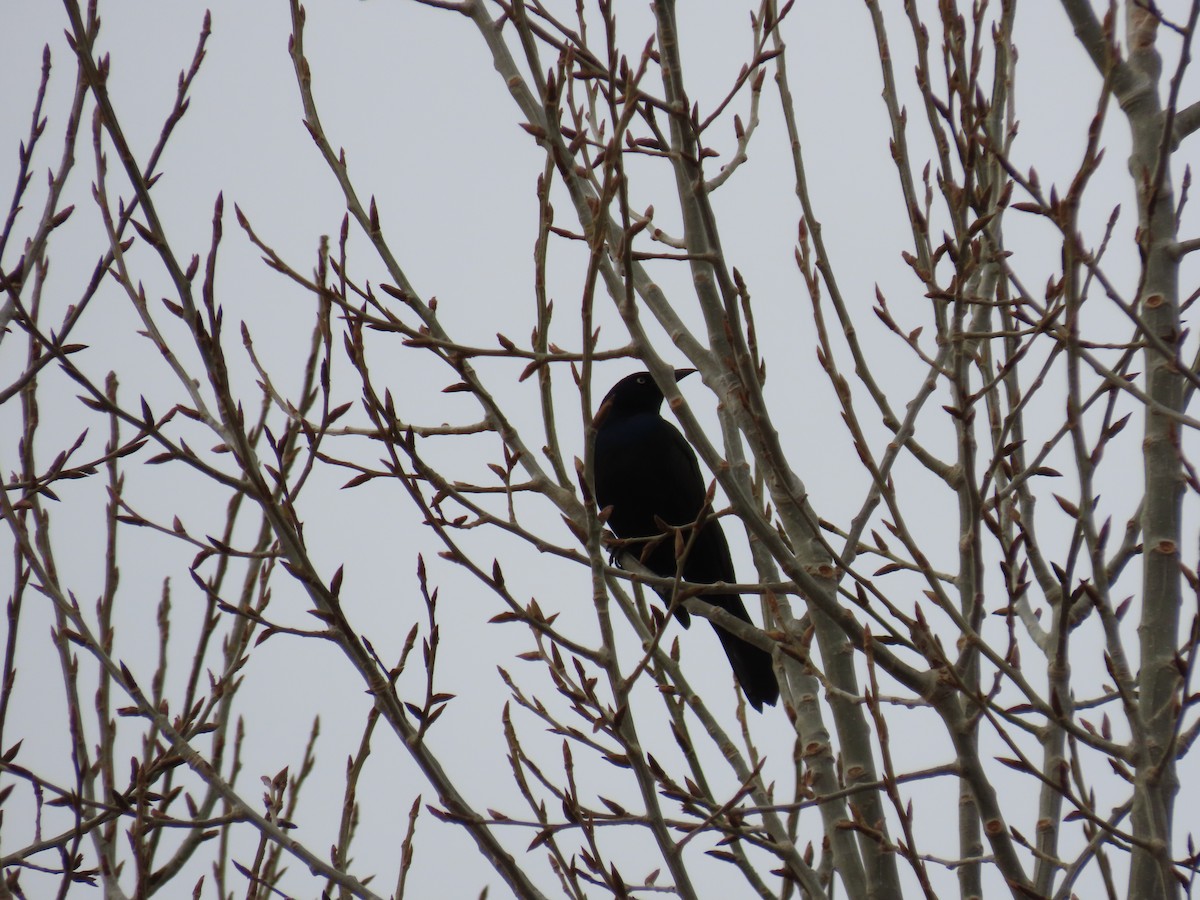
point(978, 692)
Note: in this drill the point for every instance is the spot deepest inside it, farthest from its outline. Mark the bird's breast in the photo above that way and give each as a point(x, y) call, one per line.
point(645, 469)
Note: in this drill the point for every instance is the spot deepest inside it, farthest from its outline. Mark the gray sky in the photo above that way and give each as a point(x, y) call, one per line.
point(432, 134)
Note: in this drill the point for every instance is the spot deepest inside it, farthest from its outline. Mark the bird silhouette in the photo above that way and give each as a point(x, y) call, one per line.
point(648, 473)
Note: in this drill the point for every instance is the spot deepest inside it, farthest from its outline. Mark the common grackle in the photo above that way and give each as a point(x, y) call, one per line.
point(647, 472)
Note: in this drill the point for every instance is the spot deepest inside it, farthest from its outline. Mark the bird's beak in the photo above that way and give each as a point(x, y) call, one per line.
point(681, 374)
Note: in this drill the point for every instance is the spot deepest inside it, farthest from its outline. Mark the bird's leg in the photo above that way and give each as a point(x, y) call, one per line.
point(620, 546)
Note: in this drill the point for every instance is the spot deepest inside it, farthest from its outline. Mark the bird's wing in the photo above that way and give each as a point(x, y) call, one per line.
point(648, 472)
point(682, 485)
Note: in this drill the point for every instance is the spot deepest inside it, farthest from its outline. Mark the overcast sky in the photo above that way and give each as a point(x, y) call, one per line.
point(431, 132)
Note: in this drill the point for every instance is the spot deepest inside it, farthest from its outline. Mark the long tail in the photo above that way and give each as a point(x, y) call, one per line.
point(751, 665)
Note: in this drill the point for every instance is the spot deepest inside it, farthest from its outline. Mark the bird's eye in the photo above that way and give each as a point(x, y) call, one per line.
point(641, 379)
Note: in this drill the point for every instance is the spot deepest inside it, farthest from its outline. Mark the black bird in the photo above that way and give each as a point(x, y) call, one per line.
point(647, 472)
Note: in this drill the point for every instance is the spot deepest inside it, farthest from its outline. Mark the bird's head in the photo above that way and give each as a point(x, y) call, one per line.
point(633, 394)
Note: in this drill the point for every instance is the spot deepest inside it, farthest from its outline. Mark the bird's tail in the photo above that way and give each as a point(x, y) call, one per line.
point(751, 664)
